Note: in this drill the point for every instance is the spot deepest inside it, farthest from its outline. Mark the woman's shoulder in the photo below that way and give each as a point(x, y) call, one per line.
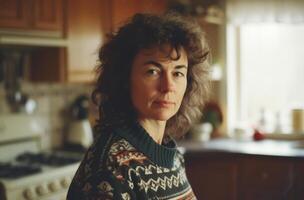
point(121, 152)
point(114, 143)
point(113, 149)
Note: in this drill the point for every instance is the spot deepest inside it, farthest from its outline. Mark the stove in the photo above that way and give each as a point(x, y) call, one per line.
point(27, 170)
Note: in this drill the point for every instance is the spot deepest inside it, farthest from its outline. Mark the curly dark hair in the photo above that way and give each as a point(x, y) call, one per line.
point(142, 31)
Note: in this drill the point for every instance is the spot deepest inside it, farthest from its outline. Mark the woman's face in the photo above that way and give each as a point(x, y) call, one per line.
point(158, 83)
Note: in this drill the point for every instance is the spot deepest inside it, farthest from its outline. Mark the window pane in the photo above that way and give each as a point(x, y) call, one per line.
point(271, 68)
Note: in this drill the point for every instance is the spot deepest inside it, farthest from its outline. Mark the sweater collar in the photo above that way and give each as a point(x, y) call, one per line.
point(162, 155)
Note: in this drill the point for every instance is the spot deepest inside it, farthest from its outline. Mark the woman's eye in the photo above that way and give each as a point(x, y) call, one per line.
point(152, 72)
point(179, 74)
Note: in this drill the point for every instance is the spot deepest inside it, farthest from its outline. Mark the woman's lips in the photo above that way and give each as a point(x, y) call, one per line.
point(164, 104)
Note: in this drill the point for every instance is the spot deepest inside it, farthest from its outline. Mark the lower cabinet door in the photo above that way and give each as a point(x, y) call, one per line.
point(299, 193)
point(265, 179)
point(211, 178)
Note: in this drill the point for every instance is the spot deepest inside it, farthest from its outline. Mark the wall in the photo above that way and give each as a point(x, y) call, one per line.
point(53, 101)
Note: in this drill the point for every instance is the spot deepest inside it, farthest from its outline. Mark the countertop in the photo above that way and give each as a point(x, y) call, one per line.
point(244, 147)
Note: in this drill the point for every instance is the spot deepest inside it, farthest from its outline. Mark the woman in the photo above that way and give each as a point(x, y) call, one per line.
point(152, 84)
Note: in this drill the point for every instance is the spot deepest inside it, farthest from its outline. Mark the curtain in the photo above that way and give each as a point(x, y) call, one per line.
point(265, 11)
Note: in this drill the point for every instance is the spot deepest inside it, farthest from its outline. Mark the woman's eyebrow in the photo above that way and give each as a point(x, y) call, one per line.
point(153, 63)
point(160, 65)
point(180, 67)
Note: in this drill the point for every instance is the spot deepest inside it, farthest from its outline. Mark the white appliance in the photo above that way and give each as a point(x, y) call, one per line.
point(27, 172)
point(80, 133)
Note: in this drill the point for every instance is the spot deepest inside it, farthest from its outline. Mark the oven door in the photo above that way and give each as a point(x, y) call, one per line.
point(50, 184)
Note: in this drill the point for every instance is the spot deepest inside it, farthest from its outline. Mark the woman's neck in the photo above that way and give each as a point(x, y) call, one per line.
point(155, 128)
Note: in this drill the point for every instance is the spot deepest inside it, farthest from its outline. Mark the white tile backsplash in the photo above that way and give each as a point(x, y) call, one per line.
point(53, 100)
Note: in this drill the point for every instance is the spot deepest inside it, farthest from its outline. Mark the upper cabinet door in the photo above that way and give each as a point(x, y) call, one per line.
point(15, 13)
point(48, 14)
point(122, 10)
point(33, 17)
point(84, 36)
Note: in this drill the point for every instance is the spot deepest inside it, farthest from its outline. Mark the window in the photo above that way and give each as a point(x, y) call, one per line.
point(265, 71)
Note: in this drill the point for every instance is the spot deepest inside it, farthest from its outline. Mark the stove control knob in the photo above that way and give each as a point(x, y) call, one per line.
point(54, 186)
point(29, 194)
point(42, 190)
point(65, 182)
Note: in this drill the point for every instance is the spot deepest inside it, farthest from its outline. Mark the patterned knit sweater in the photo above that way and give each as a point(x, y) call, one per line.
point(126, 163)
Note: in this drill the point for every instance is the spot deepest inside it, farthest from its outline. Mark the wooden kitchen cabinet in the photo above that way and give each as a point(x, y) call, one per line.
point(84, 37)
point(210, 178)
point(14, 14)
point(86, 29)
point(32, 17)
point(88, 25)
point(299, 186)
point(76, 60)
point(265, 178)
point(48, 15)
point(229, 176)
point(121, 10)
point(47, 64)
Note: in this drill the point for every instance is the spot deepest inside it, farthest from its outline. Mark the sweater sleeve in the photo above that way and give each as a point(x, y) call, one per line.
point(101, 185)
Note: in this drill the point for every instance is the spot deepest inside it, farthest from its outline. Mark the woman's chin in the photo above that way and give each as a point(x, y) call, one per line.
point(162, 116)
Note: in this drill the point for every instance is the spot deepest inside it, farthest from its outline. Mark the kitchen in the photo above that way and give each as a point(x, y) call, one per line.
point(56, 42)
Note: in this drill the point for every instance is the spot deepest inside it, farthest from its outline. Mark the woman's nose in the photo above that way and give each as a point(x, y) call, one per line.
point(167, 83)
